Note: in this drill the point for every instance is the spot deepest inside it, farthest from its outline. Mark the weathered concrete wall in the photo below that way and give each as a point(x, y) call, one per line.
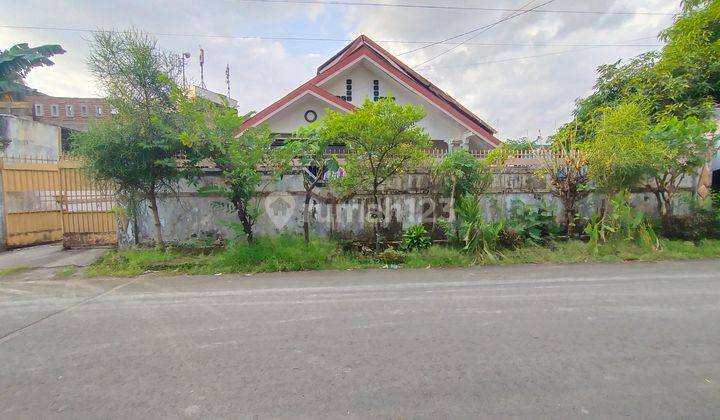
point(27, 138)
point(406, 201)
point(3, 238)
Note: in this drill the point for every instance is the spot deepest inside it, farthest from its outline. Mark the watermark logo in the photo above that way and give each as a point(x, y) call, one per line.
point(280, 209)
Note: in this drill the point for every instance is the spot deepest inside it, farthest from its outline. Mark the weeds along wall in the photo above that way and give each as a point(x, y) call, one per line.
point(406, 201)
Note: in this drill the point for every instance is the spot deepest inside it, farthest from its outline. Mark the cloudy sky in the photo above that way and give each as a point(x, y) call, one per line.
point(521, 75)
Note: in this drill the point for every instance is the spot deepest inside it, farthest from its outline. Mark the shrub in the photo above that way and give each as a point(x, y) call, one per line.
point(205, 241)
point(478, 236)
point(623, 223)
point(392, 256)
point(416, 237)
point(700, 224)
point(510, 239)
point(533, 222)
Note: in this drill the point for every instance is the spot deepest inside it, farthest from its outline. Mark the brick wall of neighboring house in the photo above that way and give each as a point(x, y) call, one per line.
point(70, 113)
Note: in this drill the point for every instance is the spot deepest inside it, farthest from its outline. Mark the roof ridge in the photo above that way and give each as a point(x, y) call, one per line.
point(434, 89)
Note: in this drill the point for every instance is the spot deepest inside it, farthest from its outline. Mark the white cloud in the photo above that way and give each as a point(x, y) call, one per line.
point(523, 95)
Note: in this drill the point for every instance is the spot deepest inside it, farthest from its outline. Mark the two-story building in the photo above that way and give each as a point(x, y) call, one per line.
point(70, 113)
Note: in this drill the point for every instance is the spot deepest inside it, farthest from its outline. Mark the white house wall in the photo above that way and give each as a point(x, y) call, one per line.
point(292, 117)
point(437, 123)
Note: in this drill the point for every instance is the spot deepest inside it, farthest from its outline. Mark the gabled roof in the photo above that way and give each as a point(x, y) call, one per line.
point(365, 48)
point(306, 89)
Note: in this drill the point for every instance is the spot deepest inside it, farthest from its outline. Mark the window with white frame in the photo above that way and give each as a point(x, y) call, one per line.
point(69, 111)
point(54, 110)
point(84, 110)
point(98, 111)
point(39, 110)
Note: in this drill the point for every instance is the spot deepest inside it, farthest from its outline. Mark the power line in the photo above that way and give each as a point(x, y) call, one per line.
point(505, 60)
point(319, 39)
point(482, 28)
point(511, 16)
point(445, 7)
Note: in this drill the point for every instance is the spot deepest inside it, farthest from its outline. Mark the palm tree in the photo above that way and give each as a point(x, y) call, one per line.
point(17, 61)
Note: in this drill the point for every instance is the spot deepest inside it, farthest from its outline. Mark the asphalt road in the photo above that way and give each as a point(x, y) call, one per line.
point(593, 341)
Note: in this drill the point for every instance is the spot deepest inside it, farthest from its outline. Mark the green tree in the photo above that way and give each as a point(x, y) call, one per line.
point(17, 61)
point(683, 146)
point(618, 155)
point(682, 80)
point(308, 150)
point(137, 147)
point(567, 171)
point(692, 52)
point(383, 139)
point(458, 174)
point(244, 159)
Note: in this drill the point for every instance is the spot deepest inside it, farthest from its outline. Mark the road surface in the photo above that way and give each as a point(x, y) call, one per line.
point(592, 341)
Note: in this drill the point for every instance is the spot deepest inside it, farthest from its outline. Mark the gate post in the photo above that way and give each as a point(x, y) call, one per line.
point(3, 213)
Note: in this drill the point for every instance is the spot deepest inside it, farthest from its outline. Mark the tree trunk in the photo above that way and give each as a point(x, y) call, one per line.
point(451, 213)
point(603, 206)
point(569, 215)
point(664, 203)
point(244, 220)
point(136, 234)
point(667, 197)
point(152, 197)
point(378, 222)
point(306, 217)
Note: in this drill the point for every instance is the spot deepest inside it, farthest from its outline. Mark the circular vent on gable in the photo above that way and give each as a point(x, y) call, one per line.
point(310, 116)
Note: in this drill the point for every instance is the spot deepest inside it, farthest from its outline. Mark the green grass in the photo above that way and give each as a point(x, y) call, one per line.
point(281, 253)
point(132, 262)
point(578, 252)
point(438, 256)
point(289, 253)
point(15, 270)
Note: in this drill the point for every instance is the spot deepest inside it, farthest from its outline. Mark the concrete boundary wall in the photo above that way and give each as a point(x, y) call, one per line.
point(22, 137)
point(405, 199)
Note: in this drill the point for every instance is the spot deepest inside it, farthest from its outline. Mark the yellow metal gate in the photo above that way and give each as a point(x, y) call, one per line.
point(30, 191)
point(46, 201)
point(87, 208)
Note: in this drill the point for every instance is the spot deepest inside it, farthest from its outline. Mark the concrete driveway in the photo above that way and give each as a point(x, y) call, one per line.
point(48, 256)
point(595, 341)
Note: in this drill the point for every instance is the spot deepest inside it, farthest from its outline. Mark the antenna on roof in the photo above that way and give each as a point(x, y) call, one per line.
point(202, 67)
point(227, 80)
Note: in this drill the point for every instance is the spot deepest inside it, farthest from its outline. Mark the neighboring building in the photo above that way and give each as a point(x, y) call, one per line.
point(70, 113)
point(363, 70)
point(197, 91)
point(21, 109)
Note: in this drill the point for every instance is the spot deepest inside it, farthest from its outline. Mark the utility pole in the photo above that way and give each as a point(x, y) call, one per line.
point(202, 67)
point(184, 57)
point(227, 80)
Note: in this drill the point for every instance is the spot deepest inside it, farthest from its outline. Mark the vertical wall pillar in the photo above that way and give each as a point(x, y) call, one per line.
point(3, 219)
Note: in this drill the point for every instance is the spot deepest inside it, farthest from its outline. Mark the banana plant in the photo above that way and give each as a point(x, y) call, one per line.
point(17, 61)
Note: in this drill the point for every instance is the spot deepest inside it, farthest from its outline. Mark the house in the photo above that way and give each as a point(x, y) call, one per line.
point(363, 70)
point(69, 113)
